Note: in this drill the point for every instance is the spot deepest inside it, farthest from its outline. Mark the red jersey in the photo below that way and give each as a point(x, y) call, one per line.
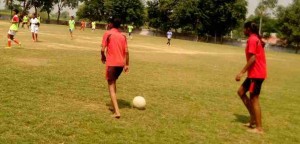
point(258, 68)
point(116, 44)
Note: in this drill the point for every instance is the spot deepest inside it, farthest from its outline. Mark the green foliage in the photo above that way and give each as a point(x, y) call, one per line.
point(215, 18)
point(93, 10)
point(270, 24)
point(130, 11)
point(289, 20)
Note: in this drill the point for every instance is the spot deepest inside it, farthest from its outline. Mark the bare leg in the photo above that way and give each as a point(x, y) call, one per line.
point(36, 37)
point(247, 103)
point(112, 91)
point(33, 37)
point(257, 113)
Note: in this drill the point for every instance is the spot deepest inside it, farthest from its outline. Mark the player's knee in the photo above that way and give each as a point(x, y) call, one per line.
point(240, 92)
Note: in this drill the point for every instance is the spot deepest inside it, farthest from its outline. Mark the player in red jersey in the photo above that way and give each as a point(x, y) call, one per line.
point(257, 73)
point(115, 55)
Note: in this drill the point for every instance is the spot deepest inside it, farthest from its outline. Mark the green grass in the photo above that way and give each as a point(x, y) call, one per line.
point(54, 91)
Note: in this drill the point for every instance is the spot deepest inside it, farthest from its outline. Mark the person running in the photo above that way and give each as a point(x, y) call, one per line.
point(130, 28)
point(82, 25)
point(93, 26)
point(25, 21)
point(71, 26)
point(257, 73)
point(169, 36)
point(115, 55)
point(34, 26)
point(13, 29)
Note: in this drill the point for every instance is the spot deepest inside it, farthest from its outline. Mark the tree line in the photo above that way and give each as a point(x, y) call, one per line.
point(203, 18)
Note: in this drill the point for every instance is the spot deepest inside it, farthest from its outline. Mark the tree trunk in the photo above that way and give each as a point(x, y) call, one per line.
point(35, 9)
point(48, 13)
point(24, 7)
point(215, 37)
point(260, 24)
point(58, 15)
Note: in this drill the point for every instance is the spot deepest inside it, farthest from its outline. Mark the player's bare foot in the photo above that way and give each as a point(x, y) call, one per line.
point(250, 125)
point(255, 130)
point(117, 116)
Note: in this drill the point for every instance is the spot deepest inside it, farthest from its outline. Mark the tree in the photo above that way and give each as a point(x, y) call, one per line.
point(269, 26)
point(220, 17)
point(92, 9)
point(131, 11)
point(48, 7)
point(65, 3)
point(289, 19)
point(262, 10)
point(26, 4)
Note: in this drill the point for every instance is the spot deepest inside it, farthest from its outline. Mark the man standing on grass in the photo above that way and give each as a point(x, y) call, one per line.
point(130, 28)
point(256, 68)
point(115, 55)
point(25, 21)
point(13, 29)
point(34, 26)
point(169, 36)
point(82, 25)
point(93, 26)
point(71, 26)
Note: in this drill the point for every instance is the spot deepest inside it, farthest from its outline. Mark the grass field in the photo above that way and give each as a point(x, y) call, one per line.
point(54, 91)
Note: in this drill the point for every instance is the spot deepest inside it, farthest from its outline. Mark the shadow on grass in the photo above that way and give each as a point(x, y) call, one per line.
point(241, 118)
point(122, 104)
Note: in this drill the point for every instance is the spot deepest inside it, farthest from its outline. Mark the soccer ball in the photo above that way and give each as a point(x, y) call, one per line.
point(139, 102)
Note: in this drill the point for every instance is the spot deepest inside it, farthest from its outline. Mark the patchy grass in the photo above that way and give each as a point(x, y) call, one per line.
point(54, 91)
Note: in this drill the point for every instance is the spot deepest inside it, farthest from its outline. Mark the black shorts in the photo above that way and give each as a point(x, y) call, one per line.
point(113, 72)
point(253, 85)
point(129, 33)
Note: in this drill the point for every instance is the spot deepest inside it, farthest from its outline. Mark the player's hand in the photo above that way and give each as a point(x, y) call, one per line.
point(238, 77)
point(103, 59)
point(126, 69)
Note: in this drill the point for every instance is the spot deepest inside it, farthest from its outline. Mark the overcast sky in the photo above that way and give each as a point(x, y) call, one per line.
point(252, 4)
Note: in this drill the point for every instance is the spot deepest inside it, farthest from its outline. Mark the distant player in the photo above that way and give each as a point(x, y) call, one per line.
point(25, 21)
point(169, 36)
point(71, 26)
point(115, 55)
point(257, 73)
point(34, 27)
point(93, 26)
point(82, 25)
point(130, 28)
point(13, 29)
point(39, 18)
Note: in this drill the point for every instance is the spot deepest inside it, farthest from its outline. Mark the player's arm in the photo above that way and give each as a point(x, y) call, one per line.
point(126, 68)
point(103, 57)
point(250, 62)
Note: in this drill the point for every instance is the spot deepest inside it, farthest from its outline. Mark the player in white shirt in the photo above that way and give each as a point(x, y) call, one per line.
point(34, 26)
point(169, 36)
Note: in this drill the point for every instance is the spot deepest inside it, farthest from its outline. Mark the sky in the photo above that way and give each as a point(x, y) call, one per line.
point(252, 4)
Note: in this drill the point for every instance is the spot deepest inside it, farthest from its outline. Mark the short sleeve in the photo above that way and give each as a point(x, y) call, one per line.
point(15, 19)
point(104, 39)
point(252, 46)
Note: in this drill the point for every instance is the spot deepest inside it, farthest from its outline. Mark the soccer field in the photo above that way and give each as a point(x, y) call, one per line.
point(54, 91)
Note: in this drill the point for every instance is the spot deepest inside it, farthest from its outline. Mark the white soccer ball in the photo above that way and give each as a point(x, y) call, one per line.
point(139, 102)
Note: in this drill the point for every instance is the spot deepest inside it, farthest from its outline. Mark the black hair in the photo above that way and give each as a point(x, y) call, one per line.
point(16, 10)
point(72, 17)
point(116, 23)
point(253, 27)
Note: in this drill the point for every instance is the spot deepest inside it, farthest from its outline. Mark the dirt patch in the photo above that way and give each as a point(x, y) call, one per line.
point(32, 61)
